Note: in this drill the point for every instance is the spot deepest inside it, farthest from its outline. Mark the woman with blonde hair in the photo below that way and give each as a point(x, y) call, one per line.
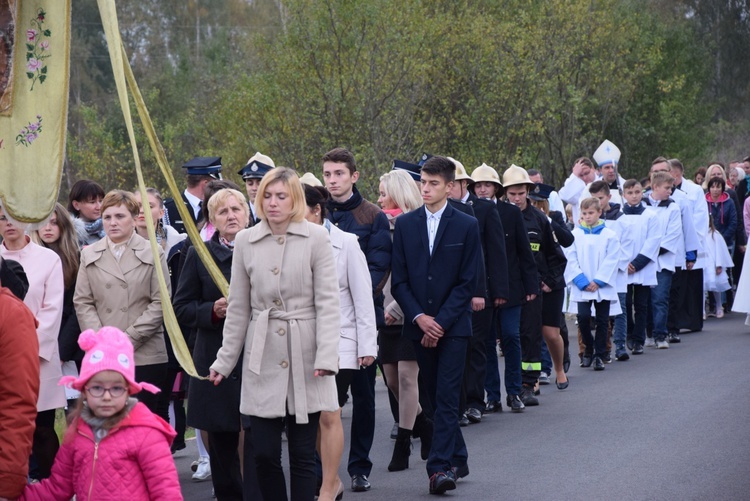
point(398, 195)
point(283, 316)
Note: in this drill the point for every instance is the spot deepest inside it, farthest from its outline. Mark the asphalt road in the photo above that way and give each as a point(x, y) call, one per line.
point(669, 424)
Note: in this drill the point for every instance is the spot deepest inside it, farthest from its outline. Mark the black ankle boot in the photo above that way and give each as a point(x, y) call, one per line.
point(401, 451)
point(423, 428)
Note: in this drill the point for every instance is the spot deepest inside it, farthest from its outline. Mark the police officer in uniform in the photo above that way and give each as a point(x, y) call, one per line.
point(199, 171)
point(257, 167)
point(517, 185)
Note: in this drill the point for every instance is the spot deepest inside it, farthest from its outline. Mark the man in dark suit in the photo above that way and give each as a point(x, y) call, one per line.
point(491, 292)
point(200, 171)
point(435, 251)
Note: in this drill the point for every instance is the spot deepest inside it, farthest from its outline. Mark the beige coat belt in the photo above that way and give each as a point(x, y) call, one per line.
point(297, 362)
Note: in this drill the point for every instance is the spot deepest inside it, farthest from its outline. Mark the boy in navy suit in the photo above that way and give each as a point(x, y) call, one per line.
point(435, 251)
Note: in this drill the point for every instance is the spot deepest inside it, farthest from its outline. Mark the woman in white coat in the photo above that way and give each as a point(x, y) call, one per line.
point(45, 300)
point(358, 342)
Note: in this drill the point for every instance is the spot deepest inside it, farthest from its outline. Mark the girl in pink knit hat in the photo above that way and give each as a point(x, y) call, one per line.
point(115, 448)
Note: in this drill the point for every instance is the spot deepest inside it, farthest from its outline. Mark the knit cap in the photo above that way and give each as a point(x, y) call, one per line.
point(109, 349)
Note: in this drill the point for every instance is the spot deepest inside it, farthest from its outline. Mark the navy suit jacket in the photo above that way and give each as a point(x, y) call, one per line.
point(442, 284)
point(493, 245)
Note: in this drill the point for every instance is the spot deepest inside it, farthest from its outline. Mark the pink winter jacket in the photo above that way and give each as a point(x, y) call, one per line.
point(132, 463)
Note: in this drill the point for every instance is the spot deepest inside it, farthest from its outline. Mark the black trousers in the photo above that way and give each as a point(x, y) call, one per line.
point(250, 485)
point(472, 394)
point(266, 437)
point(155, 374)
point(363, 420)
point(636, 304)
point(690, 311)
point(598, 346)
point(531, 341)
point(225, 465)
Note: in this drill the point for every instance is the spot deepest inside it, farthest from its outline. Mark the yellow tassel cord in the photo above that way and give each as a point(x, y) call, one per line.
point(123, 72)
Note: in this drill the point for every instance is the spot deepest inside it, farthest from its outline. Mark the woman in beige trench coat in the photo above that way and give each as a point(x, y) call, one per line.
point(284, 308)
point(118, 286)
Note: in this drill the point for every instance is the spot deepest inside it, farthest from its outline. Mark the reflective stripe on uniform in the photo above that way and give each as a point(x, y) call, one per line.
point(531, 366)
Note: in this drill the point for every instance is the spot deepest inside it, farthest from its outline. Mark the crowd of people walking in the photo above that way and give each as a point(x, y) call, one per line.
point(326, 289)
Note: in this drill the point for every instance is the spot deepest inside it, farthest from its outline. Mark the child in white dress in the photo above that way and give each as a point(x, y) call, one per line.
point(718, 259)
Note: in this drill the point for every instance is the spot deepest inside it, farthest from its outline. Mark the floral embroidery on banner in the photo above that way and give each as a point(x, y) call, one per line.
point(29, 133)
point(37, 49)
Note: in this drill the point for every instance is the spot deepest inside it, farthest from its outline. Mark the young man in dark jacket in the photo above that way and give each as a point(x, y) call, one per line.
point(352, 213)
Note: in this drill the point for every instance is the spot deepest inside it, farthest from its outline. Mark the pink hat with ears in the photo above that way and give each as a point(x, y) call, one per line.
point(109, 349)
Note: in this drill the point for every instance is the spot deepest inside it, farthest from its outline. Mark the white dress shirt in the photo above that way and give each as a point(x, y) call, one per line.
point(433, 222)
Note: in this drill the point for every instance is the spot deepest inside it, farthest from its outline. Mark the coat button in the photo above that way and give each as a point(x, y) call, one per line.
point(124, 309)
point(124, 286)
point(429, 301)
point(284, 364)
point(281, 332)
point(429, 277)
point(109, 310)
point(108, 285)
point(277, 302)
point(275, 271)
point(280, 240)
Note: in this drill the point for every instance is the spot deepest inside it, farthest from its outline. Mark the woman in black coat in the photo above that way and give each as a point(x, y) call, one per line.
point(199, 304)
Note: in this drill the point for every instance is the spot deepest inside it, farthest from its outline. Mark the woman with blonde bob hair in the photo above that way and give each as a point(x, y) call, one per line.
point(398, 195)
point(289, 178)
point(400, 187)
point(283, 317)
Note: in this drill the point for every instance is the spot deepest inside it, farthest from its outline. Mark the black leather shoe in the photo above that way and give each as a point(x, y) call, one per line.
point(360, 483)
point(562, 386)
point(440, 483)
point(673, 338)
point(528, 398)
point(514, 403)
point(607, 358)
point(463, 421)
point(474, 415)
point(458, 472)
point(493, 406)
point(598, 364)
point(178, 446)
point(586, 361)
point(637, 349)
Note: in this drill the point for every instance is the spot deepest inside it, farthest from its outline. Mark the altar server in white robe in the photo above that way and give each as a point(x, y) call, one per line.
point(592, 271)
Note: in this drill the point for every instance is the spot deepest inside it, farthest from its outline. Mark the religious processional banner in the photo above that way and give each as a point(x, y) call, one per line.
point(34, 71)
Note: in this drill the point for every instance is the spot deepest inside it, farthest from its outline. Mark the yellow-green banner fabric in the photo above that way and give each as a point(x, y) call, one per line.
point(34, 69)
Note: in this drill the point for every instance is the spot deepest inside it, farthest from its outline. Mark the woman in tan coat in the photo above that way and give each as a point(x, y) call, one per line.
point(118, 286)
point(288, 322)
